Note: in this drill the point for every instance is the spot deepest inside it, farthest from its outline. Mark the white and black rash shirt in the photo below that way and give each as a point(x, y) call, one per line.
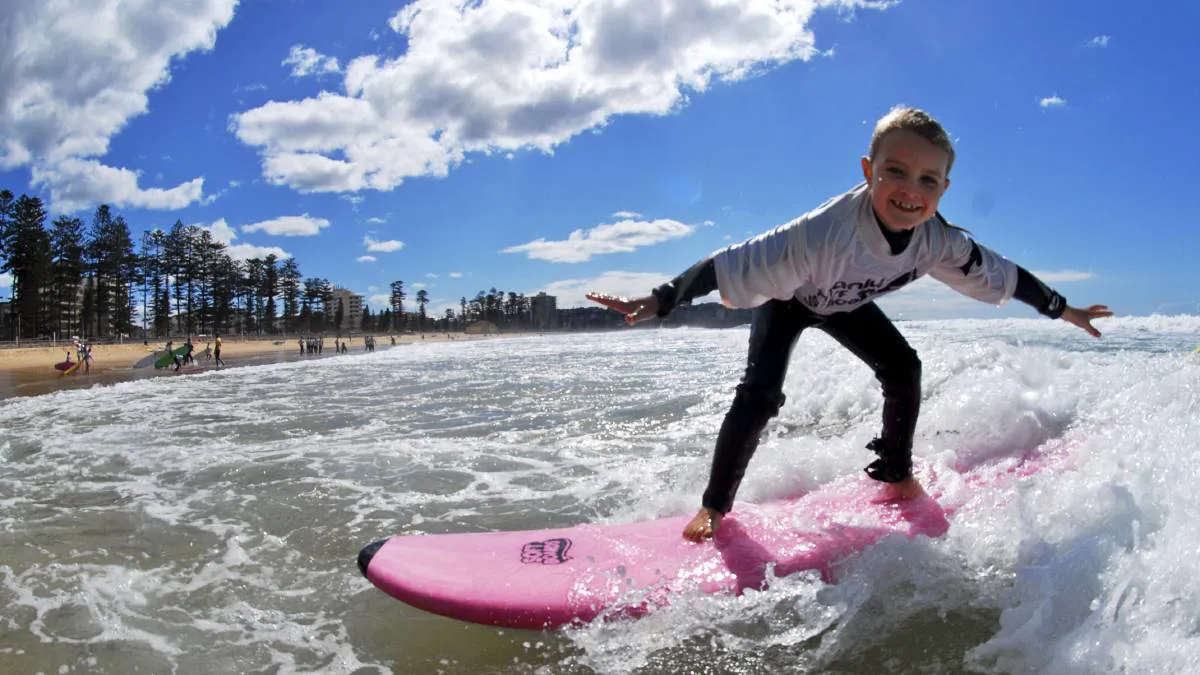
point(836, 258)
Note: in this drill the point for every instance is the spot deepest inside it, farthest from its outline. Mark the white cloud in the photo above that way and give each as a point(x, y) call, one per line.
point(289, 226)
point(74, 75)
point(456, 275)
point(6, 280)
point(1099, 41)
point(382, 246)
point(308, 61)
point(1054, 101)
point(620, 237)
point(77, 184)
point(380, 301)
point(366, 258)
point(213, 196)
point(438, 306)
point(430, 275)
point(418, 285)
point(376, 221)
point(494, 77)
point(625, 215)
point(221, 231)
point(1064, 276)
point(247, 251)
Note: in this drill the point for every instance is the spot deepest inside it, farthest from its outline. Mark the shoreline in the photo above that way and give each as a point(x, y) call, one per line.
point(29, 371)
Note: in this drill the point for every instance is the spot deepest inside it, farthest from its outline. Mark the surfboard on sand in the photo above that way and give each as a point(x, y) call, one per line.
point(64, 365)
point(74, 368)
point(549, 578)
point(148, 360)
point(167, 360)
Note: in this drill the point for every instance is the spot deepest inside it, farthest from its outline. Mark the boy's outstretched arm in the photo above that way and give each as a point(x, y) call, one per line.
point(1036, 294)
point(634, 309)
point(699, 280)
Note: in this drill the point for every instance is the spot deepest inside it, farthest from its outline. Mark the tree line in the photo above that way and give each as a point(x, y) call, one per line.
point(94, 281)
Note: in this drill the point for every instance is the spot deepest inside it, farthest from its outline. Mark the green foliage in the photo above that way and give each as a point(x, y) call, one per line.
point(91, 282)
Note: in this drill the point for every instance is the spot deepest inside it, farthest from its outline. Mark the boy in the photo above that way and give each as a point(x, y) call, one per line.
point(824, 270)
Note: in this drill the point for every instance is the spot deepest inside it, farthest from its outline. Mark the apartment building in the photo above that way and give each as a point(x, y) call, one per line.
point(351, 304)
point(544, 311)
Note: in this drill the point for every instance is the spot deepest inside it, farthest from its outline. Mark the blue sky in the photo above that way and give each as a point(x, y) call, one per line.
point(568, 146)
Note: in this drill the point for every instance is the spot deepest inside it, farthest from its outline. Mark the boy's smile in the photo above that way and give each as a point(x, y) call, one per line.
point(906, 179)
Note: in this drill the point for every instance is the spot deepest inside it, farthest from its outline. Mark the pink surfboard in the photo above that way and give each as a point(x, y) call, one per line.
point(549, 578)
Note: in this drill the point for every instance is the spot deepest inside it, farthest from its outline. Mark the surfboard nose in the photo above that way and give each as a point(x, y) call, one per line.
point(368, 552)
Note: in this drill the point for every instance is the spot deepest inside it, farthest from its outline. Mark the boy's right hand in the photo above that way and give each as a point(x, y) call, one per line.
point(635, 310)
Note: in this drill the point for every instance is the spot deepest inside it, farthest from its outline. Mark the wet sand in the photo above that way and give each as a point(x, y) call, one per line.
point(29, 371)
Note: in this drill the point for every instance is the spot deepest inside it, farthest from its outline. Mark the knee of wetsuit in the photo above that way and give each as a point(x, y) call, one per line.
point(902, 376)
point(760, 400)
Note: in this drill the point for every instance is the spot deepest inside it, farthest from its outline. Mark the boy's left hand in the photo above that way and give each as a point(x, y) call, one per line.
point(1083, 317)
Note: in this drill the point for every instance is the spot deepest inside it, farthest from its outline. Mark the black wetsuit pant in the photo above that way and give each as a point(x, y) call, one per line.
point(866, 332)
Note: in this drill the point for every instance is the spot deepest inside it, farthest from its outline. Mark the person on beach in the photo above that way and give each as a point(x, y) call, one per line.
point(824, 270)
point(208, 351)
point(87, 358)
point(174, 356)
point(217, 350)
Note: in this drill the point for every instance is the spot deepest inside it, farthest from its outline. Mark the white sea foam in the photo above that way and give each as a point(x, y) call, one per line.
point(210, 523)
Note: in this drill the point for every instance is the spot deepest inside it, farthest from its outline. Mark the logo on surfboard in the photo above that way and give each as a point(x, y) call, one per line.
point(548, 552)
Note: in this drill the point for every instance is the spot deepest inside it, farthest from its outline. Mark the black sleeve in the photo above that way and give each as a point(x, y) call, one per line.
point(699, 280)
point(1031, 291)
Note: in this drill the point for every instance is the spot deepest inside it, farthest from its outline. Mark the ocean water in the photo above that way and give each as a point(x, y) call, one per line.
point(209, 524)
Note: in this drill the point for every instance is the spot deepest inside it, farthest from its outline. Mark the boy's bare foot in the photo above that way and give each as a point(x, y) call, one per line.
point(703, 526)
point(908, 488)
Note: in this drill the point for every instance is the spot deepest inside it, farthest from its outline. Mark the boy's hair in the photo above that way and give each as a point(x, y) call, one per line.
point(917, 121)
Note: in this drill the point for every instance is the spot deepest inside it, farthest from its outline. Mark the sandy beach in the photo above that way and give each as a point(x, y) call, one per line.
point(29, 371)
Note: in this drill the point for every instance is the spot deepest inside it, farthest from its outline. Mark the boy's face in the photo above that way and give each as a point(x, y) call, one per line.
point(906, 179)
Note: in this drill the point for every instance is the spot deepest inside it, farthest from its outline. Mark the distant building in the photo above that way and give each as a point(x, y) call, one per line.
point(70, 307)
point(352, 305)
point(544, 310)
